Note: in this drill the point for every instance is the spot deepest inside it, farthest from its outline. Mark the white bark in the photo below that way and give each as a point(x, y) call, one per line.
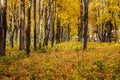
point(3, 2)
point(40, 23)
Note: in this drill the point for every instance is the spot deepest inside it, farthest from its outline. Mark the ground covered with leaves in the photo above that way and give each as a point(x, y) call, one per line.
point(65, 61)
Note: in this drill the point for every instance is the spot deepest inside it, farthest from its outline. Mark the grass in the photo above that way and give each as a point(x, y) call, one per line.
point(65, 61)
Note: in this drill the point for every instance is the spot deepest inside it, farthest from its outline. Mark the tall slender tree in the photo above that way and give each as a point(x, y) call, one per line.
point(47, 23)
point(68, 29)
point(58, 31)
point(80, 26)
point(53, 21)
point(35, 46)
point(41, 8)
point(16, 23)
point(3, 26)
point(2, 51)
point(28, 28)
point(11, 29)
point(85, 24)
point(22, 24)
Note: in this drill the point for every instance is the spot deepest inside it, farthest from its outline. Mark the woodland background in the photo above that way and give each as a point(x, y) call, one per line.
point(60, 39)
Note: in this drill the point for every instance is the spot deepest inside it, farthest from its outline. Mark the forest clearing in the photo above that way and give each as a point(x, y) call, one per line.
point(65, 61)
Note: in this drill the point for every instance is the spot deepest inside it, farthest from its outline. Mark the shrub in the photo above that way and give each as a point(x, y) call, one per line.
point(21, 54)
point(44, 49)
point(6, 59)
point(99, 64)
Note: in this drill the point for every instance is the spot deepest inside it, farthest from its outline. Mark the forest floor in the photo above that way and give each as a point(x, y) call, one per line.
point(65, 61)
